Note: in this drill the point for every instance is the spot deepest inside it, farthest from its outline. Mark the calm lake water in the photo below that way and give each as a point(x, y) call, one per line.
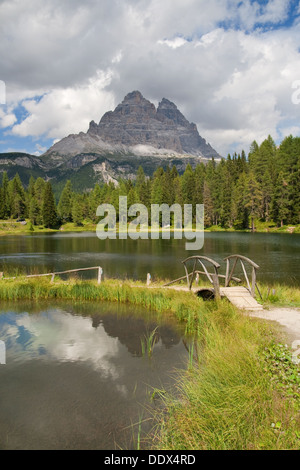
point(276, 254)
point(76, 378)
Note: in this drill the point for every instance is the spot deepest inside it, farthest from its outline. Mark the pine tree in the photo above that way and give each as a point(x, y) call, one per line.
point(17, 198)
point(78, 209)
point(34, 211)
point(142, 188)
point(5, 195)
point(225, 196)
point(239, 209)
point(39, 189)
point(157, 191)
point(199, 177)
point(2, 211)
point(254, 198)
point(48, 208)
point(64, 207)
point(95, 200)
point(208, 206)
point(188, 185)
point(282, 200)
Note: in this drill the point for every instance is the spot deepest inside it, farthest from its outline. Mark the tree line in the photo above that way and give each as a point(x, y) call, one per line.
point(235, 192)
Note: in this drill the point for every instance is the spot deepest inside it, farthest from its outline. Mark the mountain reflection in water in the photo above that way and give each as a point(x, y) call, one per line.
point(75, 376)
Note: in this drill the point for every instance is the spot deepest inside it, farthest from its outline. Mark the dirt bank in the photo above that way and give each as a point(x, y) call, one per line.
point(289, 318)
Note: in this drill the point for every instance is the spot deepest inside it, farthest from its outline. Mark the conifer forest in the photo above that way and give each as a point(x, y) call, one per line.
point(236, 191)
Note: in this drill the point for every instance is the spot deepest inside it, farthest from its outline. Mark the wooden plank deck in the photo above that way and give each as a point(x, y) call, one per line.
point(241, 298)
point(238, 296)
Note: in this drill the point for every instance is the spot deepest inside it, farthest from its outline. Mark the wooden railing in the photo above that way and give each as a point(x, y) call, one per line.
point(53, 274)
point(229, 272)
point(214, 277)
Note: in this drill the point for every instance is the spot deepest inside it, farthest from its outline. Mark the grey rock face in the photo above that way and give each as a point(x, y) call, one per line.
point(136, 122)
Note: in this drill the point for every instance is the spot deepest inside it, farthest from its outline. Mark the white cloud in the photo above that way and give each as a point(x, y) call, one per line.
point(7, 119)
point(64, 111)
point(81, 59)
point(69, 338)
point(173, 43)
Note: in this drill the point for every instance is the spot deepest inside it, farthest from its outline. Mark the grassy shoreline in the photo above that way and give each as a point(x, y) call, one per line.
point(242, 390)
point(12, 227)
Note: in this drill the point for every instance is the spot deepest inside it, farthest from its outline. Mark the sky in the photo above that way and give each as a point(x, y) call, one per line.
point(232, 67)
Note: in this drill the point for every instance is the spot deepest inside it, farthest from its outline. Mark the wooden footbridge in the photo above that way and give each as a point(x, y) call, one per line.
point(242, 297)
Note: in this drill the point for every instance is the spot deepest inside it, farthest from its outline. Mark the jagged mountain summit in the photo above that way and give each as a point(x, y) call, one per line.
point(134, 134)
point(136, 127)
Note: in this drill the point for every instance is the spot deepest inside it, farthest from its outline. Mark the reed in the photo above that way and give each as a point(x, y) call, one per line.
point(228, 400)
point(148, 343)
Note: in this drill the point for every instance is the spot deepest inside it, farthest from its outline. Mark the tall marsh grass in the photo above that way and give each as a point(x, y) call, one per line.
point(228, 401)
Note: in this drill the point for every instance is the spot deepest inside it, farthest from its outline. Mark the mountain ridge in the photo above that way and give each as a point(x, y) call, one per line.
point(135, 122)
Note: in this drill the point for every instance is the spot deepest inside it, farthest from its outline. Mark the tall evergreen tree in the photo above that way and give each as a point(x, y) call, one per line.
point(17, 198)
point(64, 208)
point(254, 198)
point(48, 208)
point(78, 209)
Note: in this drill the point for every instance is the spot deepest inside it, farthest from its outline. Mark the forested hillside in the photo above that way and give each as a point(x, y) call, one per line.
point(265, 185)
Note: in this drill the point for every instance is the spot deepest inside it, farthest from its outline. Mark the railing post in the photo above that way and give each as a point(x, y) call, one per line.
point(193, 274)
point(216, 285)
point(253, 281)
point(100, 272)
point(187, 276)
point(242, 259)
point(227, 273)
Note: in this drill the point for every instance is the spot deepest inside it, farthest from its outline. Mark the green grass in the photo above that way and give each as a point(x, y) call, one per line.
point(11, 226)
point(280, 295)
point(240, 390)
point(234, 397)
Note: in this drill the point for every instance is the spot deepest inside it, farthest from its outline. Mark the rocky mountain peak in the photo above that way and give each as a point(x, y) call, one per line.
point(134, 96)
point(136, 122)
point(169, 110)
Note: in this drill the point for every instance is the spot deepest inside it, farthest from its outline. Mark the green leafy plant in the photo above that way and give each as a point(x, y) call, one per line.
point(148, 342)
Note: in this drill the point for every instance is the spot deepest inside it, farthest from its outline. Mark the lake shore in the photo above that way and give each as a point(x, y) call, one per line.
point(11, 227)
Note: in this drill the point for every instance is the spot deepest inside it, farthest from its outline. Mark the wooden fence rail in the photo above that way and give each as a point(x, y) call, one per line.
point(53, 274)
point(243, 260)
point(213, 277)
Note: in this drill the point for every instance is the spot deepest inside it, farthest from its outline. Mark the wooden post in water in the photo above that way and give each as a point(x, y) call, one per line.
point(148, 279)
